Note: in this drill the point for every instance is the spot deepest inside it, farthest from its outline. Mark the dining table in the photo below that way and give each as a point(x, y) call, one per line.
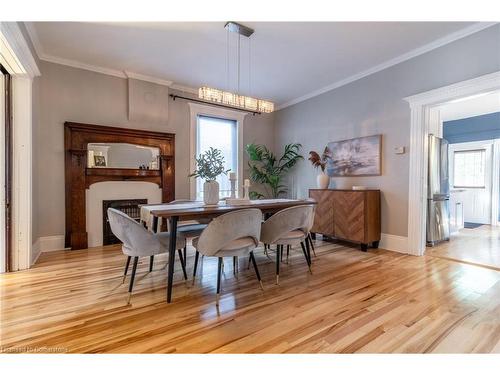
point(196, 210)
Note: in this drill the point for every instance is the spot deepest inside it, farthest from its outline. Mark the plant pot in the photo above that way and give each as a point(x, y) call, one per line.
point(323, 181)
point(211, 192)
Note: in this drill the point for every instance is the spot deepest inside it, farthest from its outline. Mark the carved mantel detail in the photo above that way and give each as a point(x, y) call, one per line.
point(78, 177)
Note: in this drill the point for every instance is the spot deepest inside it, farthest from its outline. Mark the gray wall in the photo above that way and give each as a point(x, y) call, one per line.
point(70, 94)
point(375, 105)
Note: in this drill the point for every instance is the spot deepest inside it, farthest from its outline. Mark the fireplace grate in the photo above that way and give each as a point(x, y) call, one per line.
point(128, 206)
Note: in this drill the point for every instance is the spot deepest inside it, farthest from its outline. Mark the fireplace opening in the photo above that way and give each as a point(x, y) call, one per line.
point(128, 206)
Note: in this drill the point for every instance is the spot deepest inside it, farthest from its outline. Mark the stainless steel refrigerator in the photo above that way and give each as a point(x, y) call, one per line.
point(438, 192)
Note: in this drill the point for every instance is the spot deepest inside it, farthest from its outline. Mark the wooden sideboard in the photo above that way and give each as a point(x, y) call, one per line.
point(351, 215)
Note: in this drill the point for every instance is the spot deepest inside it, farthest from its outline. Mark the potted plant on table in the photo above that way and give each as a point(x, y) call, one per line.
point(323, 180)
point(209, 165)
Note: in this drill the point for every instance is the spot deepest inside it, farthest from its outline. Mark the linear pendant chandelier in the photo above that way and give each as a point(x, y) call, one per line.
point(235, 99)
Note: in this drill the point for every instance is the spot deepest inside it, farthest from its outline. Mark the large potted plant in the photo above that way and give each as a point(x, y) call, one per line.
point(209, 165)
point(268, 170)
point(322, 180)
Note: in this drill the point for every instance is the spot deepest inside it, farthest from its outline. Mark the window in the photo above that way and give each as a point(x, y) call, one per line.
point(469, 169)
point(221, 134)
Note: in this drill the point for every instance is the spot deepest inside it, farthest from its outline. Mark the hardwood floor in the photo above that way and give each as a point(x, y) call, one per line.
point(372, 302)
point(480, 246)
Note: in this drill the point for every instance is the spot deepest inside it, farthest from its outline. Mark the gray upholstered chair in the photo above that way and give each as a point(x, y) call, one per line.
point(233, 234)
point(137, 242)
point(288, 227)
point(191, 228)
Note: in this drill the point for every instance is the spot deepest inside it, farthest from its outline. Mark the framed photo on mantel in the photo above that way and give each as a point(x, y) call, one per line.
point(355, 157)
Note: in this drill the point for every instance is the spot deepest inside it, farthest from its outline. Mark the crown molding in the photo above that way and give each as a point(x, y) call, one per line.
point(80, 65)
point(472, 29)
point(30, 28)
point(142, 77)
point(95, 68)
point(182, 88)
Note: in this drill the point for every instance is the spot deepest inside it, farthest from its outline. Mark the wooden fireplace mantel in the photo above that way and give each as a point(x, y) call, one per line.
point(78, 177)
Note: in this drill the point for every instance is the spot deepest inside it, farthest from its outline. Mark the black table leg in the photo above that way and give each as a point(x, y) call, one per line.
point(154, 228)
point(171, 255)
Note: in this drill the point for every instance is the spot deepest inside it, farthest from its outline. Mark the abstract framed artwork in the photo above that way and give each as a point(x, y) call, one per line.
point(355, 157)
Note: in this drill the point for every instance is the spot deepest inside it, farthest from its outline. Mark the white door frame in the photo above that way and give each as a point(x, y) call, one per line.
point(495, 189)
point(17, 58)
point(421, 106)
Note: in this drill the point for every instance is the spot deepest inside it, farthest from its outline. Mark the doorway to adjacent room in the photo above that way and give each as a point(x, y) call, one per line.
point(471, 128)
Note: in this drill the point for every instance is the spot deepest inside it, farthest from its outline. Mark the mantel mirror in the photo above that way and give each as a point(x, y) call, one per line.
point(122, 155)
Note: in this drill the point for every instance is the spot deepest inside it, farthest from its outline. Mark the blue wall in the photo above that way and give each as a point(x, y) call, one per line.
point(477, 128)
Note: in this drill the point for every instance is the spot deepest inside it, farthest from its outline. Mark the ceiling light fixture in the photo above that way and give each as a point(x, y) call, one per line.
point(227, 97)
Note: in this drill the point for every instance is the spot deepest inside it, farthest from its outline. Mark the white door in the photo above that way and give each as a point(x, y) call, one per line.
point(470, 172)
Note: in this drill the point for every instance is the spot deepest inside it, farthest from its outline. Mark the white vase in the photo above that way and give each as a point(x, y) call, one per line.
point(211, 192)
point(323, 181)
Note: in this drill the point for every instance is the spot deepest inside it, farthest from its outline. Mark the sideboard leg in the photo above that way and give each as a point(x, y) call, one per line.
point(375, 244)
point(364, 247)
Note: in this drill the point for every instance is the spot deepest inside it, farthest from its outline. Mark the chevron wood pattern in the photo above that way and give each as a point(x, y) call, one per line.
point(349, 215)
point(323, 219)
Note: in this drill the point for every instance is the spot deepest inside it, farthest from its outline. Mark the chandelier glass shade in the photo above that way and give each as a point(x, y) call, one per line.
point(226, 97)
point(235, 100)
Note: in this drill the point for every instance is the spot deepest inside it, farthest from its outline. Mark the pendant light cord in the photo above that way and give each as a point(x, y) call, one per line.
point(239, 38)
point(249, 66)
point(227, 60)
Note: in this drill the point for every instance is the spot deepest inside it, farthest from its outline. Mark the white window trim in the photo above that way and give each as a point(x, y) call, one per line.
point(486, 146)
point(212, 111)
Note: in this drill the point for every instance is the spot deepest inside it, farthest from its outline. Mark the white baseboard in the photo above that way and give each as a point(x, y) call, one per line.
point(50, 243)
point(35, 251)
point(394, 243)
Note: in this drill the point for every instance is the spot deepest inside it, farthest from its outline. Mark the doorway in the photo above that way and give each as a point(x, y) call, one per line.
point(471, 128)
point(423, 122)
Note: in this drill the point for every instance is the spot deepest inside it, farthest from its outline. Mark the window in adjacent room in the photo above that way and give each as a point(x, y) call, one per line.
point(469, 169)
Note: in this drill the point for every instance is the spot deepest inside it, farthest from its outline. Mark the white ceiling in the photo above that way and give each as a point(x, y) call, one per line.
point(289, 61)
point(469, 107)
